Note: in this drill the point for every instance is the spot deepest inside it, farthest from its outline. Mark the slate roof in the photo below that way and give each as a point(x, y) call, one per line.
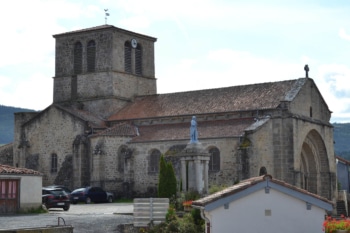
point(245, 184)
point(6, 169)
point(219, 100)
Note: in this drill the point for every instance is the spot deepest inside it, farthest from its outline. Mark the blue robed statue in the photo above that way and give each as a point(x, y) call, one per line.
point(193, 131)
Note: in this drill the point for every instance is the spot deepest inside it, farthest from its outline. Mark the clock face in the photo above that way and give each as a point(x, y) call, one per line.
point(134, 43)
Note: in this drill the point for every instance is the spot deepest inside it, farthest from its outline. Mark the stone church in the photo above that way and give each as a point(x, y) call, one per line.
point(108, 127)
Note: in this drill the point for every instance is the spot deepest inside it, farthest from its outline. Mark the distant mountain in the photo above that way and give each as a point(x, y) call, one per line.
point(7, 122)
point(342, 139)
point(341, 131)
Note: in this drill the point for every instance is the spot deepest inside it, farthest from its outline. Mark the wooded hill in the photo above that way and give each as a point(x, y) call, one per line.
point(7, 122)
point(341, 131)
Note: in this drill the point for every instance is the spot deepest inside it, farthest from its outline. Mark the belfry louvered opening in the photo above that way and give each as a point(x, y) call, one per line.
point(91, 56)
point(127, 57)
point(78, 58)
point(138, 60)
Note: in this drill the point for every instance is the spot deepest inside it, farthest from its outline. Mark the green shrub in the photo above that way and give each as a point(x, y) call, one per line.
point(167, 183)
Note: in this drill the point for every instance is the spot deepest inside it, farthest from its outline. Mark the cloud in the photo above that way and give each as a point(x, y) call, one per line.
point(343, 34)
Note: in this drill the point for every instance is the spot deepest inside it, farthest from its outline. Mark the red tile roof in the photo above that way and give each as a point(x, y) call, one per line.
point(221, 100)
point(181, 131)
point(6, 169)
point(122, 129)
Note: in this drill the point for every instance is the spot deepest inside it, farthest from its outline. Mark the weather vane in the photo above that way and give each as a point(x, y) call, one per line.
point(106, 14)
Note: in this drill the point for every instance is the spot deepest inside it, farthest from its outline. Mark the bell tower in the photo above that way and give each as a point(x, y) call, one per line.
point(102, 68)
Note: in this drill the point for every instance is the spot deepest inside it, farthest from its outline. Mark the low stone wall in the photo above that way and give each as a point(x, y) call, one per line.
point(55, 229)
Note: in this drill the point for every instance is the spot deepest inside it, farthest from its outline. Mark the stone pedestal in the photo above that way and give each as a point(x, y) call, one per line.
point(194, 168)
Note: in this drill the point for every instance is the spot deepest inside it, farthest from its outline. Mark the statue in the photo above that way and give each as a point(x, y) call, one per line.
point(193, 131)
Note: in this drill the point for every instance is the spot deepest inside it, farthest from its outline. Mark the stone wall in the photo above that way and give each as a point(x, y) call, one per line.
point(51, 132)
point(6, 154)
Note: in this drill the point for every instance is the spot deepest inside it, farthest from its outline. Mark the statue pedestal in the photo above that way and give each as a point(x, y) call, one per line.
point(194, 168)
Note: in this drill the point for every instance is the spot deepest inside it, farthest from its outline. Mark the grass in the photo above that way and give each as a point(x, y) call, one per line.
point(39, 210)
point(123, 200)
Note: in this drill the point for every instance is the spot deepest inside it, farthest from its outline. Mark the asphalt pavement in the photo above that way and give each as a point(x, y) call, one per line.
point(85, 218)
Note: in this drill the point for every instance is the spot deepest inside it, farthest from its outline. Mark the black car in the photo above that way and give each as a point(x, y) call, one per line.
point(91, 194)
point(55, 198)
point(66, 189)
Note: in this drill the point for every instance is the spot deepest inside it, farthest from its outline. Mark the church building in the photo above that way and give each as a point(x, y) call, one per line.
point(108, 127)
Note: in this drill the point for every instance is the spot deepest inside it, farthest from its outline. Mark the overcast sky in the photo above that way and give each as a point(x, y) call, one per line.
point(200, 44)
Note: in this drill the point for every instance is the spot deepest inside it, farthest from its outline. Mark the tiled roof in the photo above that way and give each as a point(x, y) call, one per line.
point(6, 169)
point(93, 120)
point(122, 129)
point(221, 100)
point(101, 27)
point(245, 184)
point(181, 131)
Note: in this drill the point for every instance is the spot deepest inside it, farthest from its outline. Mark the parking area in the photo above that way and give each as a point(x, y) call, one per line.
point(85, 218)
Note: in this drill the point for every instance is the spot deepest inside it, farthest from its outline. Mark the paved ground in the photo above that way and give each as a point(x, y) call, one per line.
point(85, 218)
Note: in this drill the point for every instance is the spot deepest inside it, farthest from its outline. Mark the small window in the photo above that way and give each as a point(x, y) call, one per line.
point(138, 60)
point(54, 163)
point(214, 162)
point(154, 161)
point(127, 57)
point(121, 159)
point(91, 56)
point(311, 112)
point(78, 58)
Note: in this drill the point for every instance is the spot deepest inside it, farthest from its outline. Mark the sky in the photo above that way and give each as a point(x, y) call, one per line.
point(200, 44)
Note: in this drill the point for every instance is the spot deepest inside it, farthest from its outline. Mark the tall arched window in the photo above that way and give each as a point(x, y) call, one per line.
point(53, 162)
point(91, 56)
point(214, 162)
point(78, 58)
point(127, 57)
point(121, 158)
point(138, 60)
point(154, 161)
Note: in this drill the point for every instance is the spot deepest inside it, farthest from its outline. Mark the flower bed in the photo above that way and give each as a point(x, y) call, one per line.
point(331, 225)
point(187, 205)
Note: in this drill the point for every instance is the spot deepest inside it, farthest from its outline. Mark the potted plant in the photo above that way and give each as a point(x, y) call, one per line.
point(332, 225)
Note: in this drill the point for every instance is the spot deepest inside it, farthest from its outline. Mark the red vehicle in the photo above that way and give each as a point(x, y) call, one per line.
point(55, 198)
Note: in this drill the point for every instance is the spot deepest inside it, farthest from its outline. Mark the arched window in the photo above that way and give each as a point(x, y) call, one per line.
point(138, 60)
point(214, 162)
point(127, 57)
point(53, 162)
point(91, 56)
point(154, 161)
point(78, 58)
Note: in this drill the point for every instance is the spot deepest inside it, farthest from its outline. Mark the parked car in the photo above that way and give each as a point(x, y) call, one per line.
point(66, 189)
point(91, 194)
point(55, 198)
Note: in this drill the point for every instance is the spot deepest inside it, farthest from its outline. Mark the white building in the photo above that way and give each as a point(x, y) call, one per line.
point(20, 189)
point(263, 204)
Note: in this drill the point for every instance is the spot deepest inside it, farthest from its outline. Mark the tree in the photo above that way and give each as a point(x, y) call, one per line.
point(167, 179)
